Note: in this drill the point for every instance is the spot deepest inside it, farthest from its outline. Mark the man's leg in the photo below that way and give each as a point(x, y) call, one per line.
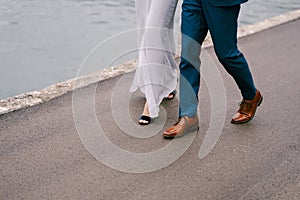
point(222, 23)
point(194, 30)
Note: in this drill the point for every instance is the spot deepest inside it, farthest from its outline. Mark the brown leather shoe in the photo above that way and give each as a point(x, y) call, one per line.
point(184, 125)
point(247, 109)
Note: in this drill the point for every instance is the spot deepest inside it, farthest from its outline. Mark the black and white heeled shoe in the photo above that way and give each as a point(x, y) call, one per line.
point(144, 120)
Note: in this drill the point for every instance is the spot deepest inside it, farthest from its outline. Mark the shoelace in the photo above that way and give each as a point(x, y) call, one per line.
point(180, 121)
point(243, 108)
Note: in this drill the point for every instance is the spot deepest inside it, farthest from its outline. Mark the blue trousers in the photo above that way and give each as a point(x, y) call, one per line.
point(199, 16)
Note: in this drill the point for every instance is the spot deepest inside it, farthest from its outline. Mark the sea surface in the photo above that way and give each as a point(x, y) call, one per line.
point(43, 42)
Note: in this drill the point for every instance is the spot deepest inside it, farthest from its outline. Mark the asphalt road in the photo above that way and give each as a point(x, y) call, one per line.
point(42, 156)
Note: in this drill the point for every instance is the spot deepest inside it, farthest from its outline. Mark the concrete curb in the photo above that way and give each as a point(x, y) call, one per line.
point(37, 97)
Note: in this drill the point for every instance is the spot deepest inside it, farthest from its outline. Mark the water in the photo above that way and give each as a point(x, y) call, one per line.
point(44, 42)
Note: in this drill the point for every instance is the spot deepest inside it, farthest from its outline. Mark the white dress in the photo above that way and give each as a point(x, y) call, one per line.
point(156, 74)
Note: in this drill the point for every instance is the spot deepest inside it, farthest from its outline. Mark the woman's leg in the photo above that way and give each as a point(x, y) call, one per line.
point(156, 57)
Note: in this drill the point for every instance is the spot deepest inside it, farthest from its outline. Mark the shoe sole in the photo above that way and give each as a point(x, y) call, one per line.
point(192, 129)
point(242, 122)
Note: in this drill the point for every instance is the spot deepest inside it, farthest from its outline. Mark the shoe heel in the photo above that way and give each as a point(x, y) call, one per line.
point(193, 129)
point(260, 101)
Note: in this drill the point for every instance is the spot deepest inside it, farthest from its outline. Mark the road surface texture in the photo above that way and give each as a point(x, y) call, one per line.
point(42, 156)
